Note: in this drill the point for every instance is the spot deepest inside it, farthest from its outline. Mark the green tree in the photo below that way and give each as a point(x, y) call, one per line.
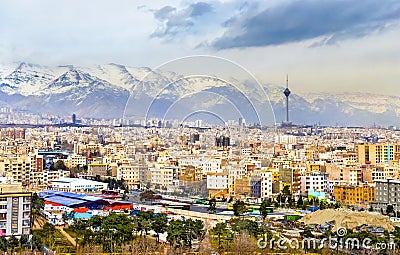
point(263, 208)
point(281, 199)
point(79, 226)
point(35, 241)
point(24, 240)
point(143, 222)
point(118, 227)
point(212, 205)
point(95, 221)
point(389, 209)
point(251, 227)
point(183, 232)
point(49, 231)
point(290, 201)
point(286, 191)
point(60, 165)
point(159, 224)
point(3, 244)
point(239, 207)
point(37, 206)
point(300, 202)
point(194, 230)
point(175, 233)
point(12, 242)
point(220, 230)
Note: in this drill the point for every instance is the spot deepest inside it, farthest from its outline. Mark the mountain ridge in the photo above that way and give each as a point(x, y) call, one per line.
point(103, 91)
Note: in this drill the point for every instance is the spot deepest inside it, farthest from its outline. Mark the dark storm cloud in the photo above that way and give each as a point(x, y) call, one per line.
point(301, 20)
point(173, 20)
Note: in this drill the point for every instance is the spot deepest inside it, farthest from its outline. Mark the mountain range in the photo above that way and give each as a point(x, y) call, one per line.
point(117, 91)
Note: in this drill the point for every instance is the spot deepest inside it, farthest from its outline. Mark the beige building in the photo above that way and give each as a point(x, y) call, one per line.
point(130, 175)
point(374, 153)
point(18, 168)
point(98, 169)
point(362, 195)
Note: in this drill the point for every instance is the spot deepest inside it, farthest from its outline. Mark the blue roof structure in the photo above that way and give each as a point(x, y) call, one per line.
point(65, 201)
point(69, 199)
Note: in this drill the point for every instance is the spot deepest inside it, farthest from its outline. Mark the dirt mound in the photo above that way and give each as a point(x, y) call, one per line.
point(348, 219)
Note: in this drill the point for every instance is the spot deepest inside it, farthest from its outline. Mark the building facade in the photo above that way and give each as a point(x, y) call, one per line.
point(15, 210)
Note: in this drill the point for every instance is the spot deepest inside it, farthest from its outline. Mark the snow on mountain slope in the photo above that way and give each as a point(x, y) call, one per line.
point(361, 101)
point(29, 79)
point(103, 90)
point(115, 74)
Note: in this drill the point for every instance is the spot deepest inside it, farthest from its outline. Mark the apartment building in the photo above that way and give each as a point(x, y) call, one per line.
point(130, 175)
point(163, 175)
point(77, 160)
point(16, 167)
point(98, 169)
point(387, 192)
point(267, 179)
point(374, 153)
point(361, 195)
point(314, 181)
point(49, 175)
point(15, 210)
point(217, 184)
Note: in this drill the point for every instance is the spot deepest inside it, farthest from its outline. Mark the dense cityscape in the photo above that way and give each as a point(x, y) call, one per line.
point(209, 127)
point(290, 181)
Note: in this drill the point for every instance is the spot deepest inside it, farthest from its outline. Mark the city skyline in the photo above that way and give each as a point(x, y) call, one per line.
point(332, 46)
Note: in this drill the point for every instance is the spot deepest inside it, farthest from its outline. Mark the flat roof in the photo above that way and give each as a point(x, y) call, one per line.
point(68, 198)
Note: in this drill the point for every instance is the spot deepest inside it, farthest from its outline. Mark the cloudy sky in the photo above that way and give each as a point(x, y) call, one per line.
point(348, 45)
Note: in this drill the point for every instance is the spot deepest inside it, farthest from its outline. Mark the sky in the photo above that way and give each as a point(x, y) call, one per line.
point(324, 46)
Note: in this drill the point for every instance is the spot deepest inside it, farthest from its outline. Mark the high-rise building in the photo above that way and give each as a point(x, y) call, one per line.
point(73, 118)
point(222, 141)
point(15, 210)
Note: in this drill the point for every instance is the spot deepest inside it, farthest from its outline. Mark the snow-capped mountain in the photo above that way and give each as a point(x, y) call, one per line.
point(28, 79)
point(112, 90)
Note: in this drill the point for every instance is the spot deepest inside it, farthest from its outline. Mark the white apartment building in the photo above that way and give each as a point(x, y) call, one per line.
point(15, 210)
point(266, 184)
point(315, 181)
point(212, 165)
point(217, 181)
point(285, 139)
point(353, 177)
point(246, 151)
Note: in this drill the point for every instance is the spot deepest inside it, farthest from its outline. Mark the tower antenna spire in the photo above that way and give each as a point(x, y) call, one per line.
point(287, 92)
point(287, 81)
